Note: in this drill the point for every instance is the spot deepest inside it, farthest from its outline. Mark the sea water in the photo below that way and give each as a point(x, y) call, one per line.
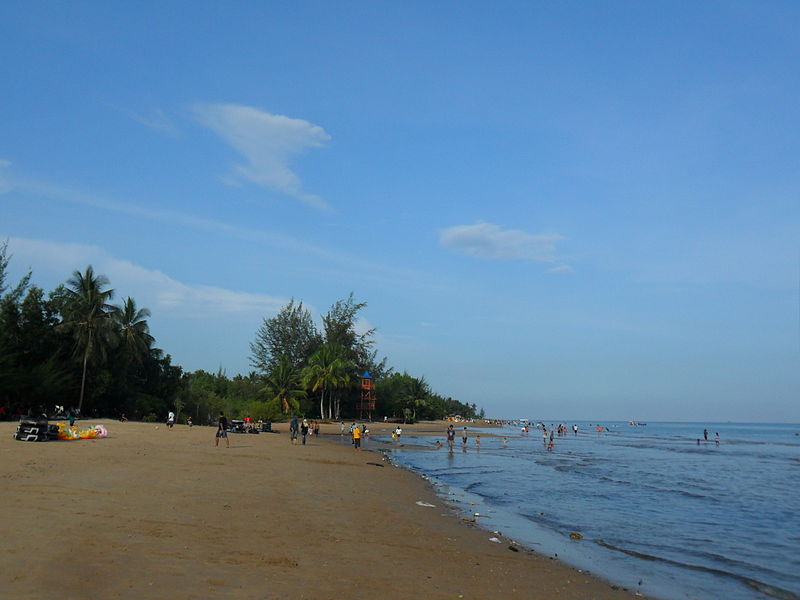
point(658, 512)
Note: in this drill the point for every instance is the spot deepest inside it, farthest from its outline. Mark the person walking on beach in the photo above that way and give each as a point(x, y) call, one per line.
point(304, 431)
point(357, 437)
point(222, 430)
point(170, 419)
point(451, 437)
point(293, 427)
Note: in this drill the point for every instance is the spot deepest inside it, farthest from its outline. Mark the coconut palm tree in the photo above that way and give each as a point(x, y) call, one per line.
point(284, 386)
point(328, 370)
point(87, 318)
point(133, 330)
point(417, 395)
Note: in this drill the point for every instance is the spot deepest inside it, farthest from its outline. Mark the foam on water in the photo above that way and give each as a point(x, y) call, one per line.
point(653, 506)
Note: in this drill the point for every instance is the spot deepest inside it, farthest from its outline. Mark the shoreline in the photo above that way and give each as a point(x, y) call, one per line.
point(154, 513)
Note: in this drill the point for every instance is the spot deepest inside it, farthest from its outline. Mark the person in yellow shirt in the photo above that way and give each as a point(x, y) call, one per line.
point(357, 437)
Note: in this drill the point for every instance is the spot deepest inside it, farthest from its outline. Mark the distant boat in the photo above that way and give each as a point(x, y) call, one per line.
point(636, 423)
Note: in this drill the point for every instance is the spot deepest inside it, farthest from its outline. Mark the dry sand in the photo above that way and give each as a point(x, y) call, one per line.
point(156, 513)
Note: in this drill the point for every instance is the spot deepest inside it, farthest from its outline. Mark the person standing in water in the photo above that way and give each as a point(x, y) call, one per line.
point(705, 434)
point(451, 437)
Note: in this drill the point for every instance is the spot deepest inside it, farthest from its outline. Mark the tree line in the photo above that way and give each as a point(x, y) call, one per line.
point(74, 347)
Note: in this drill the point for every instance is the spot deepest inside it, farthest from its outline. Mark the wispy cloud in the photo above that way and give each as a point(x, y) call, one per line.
point(346, 262)
point(156, 119)
point(151, 288)
point(486, 240)
point(561, 269)
point(267, 142)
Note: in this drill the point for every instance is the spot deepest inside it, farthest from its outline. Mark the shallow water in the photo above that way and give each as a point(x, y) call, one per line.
point(658, 512)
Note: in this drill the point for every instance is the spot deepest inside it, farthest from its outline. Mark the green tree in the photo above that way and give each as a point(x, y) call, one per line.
point(88, 320)
point(417, 394)
point(341, 327)
point(291, 334)
point(329, 370)
point(284, 386)
point(133, 331)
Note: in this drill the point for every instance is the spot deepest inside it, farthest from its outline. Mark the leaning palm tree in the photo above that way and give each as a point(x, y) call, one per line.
point(87, 318)
point(133, 330)
point(284, 386)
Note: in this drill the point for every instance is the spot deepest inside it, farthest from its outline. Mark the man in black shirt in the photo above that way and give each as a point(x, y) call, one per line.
point(222, 430)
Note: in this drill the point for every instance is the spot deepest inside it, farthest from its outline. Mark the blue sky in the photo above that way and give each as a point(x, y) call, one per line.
point(562, 210)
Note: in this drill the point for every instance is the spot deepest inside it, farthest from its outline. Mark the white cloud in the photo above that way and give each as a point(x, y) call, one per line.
point(150, 288)
point(362, 326)
point(267, 142)
point(348, 263)
point(486, 240)
point(156, 119)
point(561, 269)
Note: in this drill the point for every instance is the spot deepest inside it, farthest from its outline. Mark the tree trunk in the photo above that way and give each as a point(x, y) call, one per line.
point(322, 404)
point(83, 378)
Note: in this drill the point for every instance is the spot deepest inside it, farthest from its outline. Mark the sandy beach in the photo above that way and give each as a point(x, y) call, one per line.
point(156, 513)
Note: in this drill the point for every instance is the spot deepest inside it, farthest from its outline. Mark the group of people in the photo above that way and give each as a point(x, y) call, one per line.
point(705, 437)
point(302, 429)
point(450, 435)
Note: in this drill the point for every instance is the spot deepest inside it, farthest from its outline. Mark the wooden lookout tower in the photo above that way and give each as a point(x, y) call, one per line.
point(367, 403)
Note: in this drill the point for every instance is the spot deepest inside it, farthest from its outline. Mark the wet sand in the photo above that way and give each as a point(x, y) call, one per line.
point(163, 514)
